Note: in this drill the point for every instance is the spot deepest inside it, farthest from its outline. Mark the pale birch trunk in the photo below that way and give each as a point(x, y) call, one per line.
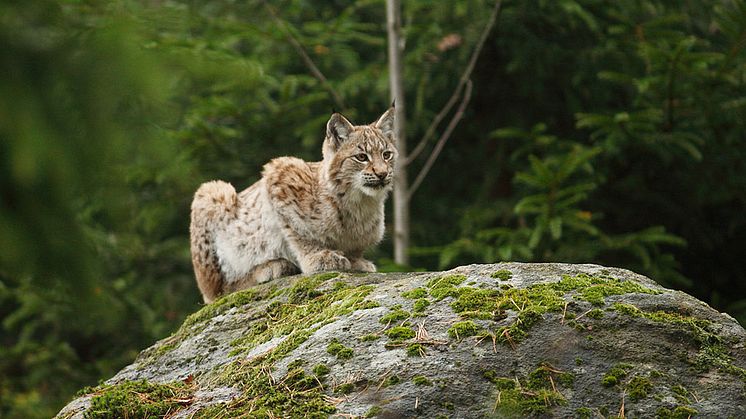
point(401, 186)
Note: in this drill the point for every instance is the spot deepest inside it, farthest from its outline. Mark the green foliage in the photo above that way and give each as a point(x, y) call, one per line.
point(614, 140)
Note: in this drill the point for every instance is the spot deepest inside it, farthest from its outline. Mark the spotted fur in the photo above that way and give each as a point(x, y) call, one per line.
point(300, 216)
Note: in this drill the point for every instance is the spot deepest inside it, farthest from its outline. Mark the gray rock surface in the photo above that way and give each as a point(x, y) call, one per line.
point(504, 340)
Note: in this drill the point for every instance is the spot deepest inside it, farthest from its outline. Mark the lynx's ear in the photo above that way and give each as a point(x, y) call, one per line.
point(338, 130)
point(386, 122)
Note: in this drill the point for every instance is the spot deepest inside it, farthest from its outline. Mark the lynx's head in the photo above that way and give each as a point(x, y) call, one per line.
point(361, 157)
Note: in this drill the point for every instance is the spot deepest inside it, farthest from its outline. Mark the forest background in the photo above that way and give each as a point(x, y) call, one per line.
point(597, 131)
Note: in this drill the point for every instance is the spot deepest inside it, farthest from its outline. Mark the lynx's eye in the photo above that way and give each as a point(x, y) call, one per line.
point(387, 155)
point(362, 157)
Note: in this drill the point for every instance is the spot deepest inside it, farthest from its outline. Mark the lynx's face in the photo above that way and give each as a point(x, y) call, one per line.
point(361, 157)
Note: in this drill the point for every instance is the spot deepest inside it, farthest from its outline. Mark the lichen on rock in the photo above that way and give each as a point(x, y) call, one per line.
point(512, 339)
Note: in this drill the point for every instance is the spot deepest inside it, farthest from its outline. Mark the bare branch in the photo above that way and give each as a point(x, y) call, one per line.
point(338, 101)
point(442, 140)
point(457, 92)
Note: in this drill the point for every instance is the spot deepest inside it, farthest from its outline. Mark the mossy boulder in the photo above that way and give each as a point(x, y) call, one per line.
point(504, 340)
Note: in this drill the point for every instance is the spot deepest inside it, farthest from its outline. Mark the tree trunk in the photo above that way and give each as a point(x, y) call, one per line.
point(401, 186)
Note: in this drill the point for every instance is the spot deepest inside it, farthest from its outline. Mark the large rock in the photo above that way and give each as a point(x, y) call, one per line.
point(549, 340)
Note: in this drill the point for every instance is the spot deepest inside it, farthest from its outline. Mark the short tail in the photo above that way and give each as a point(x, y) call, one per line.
point(214, 204)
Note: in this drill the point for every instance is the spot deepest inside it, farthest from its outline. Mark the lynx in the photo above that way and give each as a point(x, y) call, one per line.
point(300, 216)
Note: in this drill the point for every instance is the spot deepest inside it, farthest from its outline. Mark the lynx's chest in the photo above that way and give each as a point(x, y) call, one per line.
point(359, 227)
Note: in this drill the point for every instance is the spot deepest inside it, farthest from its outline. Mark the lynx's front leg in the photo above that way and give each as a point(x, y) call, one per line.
point(360, 264)
point(314, 259)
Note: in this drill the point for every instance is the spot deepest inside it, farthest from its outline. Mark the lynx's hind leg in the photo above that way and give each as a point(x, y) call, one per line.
point(215, 203)
point(264, 272)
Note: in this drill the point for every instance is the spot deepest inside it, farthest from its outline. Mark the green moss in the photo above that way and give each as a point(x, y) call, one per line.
point(502, 274)
point(471, 302)
point(340, 351)
point(595, 314)
point(394, 316)
point(583, 413)
point(305, 289)
point(416, 349)
point(421, 380)
point(296, 364)
point(615, 375)
point(578, 361)
point(373, 412)
point(344, 388)
point(295, 395)
point(369, 337)
point(368, 304)
point(638, 388)
point(530, 303)
point(460, 330)
point(320, 370)
point(534, 395)
point(680, 412)
point(285, 318)
point(236, 299)
point(420, 305)
point(298, 394)
point(713, 353)
point(502, 383)
point(415, 293)
point(681, 394)
point(515, 402)
point(400, 333)
point(445, 286)
point(566, 379)
point(138, 399)
point(391, 381)
point(545, 375)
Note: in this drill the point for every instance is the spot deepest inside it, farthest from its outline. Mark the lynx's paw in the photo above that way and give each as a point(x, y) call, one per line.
point(363, 265)
point(326, 260)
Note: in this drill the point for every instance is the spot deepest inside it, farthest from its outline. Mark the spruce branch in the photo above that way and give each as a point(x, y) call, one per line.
point(312, 67)
point(465, 76)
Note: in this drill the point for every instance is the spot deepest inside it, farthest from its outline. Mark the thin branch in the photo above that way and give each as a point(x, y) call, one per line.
point(457, 92)
point(442, 140)
point(338, 101)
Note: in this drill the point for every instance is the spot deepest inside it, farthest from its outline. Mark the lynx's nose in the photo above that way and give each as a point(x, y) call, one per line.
point(380, 171)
